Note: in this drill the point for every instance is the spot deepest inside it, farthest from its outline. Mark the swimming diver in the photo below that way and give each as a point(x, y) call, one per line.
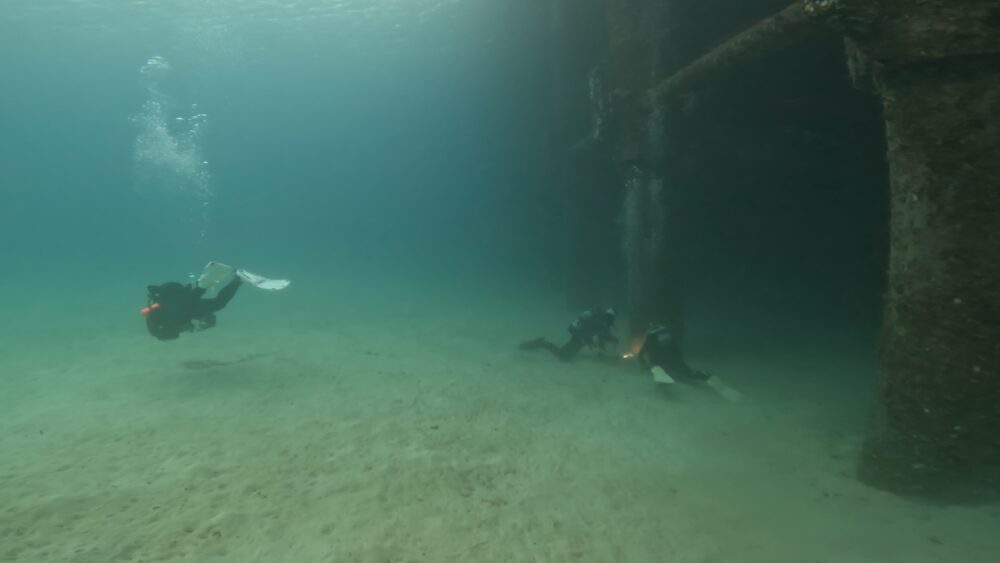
point(592, 328)
point(661, 354)
point(174, 308)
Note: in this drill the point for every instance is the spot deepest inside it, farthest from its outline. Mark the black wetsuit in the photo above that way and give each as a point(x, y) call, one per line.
point(593, 328)
point(660, 348)
point(181, 308)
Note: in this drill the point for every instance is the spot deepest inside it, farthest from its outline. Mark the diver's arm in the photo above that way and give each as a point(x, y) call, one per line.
point(222, 298)
point(203, 323)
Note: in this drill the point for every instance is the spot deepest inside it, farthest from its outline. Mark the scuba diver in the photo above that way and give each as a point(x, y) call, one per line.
point(661, 355)
point(592, 328)
point(660, 349)
point(174, 308)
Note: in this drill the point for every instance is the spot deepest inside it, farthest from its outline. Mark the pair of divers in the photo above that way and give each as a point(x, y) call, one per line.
point(173, 308)
point(660, 353)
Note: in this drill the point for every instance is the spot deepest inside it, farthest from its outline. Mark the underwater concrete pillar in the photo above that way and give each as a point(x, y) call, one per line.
point(652, 266)
point(936, 66)
point(654, 274)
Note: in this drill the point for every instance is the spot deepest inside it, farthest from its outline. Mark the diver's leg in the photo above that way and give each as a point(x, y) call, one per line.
point(569, 349)
point(539, 344)
point(698, 375)
point(222, 298)
point(542, 344)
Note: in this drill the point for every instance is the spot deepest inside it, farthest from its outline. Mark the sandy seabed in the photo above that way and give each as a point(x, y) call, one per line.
point(405, 427)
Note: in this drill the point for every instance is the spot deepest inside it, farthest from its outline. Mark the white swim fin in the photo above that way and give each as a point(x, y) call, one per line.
point(214, 273)
point(724, 391)
point(661, 376)
point(261, 282)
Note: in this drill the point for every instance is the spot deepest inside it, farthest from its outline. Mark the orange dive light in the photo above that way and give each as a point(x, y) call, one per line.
point(147, 310)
